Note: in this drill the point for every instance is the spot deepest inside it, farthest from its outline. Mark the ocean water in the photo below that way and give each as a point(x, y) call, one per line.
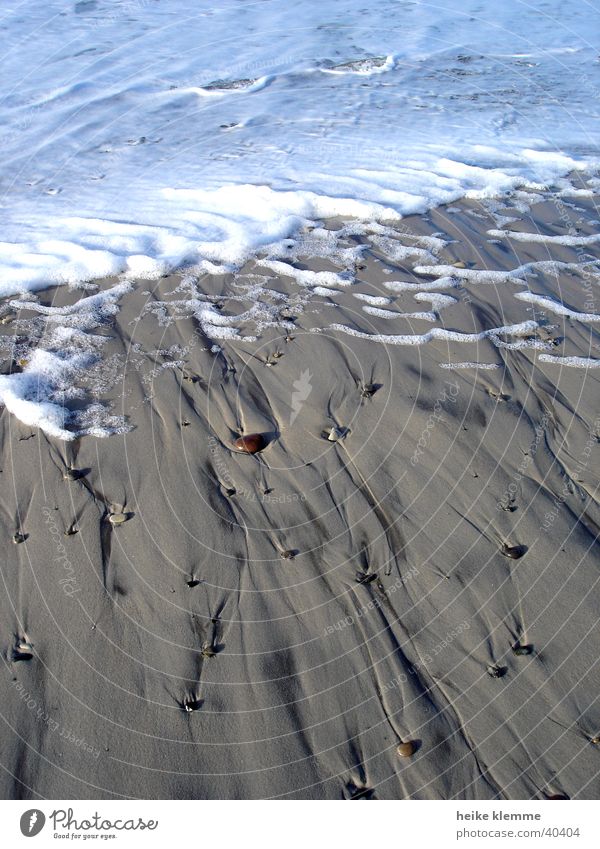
point(138, 135)
point(141, 136)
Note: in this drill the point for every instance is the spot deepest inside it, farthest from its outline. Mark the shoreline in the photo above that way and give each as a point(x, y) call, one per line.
point(197, 650)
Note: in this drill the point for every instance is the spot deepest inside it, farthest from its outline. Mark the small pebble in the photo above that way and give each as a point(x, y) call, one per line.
point(71, 474)
point(522, 651)
point(289, 554)
point(250, 444)
point(19, 537)
point(208, 651)
point(23, 651)
point(595, 740)
point(333, 434)
point(513, 551)
point(496, 671)
point(406, 750)
point(118, 518)
point(364, 577)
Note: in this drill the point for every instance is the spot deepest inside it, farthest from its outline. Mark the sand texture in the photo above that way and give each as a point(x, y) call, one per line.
point(275, 625)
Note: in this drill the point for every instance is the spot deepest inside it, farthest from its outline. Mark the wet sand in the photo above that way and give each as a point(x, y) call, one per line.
point(275, 625)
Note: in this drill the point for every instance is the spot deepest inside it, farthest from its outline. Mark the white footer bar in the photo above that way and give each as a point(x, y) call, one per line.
point(292, 824)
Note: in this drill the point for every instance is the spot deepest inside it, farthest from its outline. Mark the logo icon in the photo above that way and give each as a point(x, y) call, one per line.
point(302, 389)
point(32, 822)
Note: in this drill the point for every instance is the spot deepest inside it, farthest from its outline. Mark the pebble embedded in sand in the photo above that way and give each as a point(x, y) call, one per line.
point(496, 671)
point(368, 390)
point(118, 518)
point(406, 750)
point(364, 577)
point(208, 651)
point(522, 650)
point(71, 474)
point(595, 740)
point(250, 444)
point(513, 551)
point(334, 434)
point(23, 651)
point(288, 554)
point(19, 537)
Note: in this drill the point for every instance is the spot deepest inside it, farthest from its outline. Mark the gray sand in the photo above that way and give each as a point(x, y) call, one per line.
point(180, 655)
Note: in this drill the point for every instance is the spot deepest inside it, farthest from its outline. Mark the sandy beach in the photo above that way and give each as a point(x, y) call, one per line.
point(411, 559)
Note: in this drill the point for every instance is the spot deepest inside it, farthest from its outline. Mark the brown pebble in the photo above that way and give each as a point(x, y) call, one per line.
point(406, 750)
point(250, 444)
point(596, 740)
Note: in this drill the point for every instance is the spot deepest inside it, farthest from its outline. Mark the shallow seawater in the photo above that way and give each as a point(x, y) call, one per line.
point(137, 137)
point(214, 139)
point(447, 281)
